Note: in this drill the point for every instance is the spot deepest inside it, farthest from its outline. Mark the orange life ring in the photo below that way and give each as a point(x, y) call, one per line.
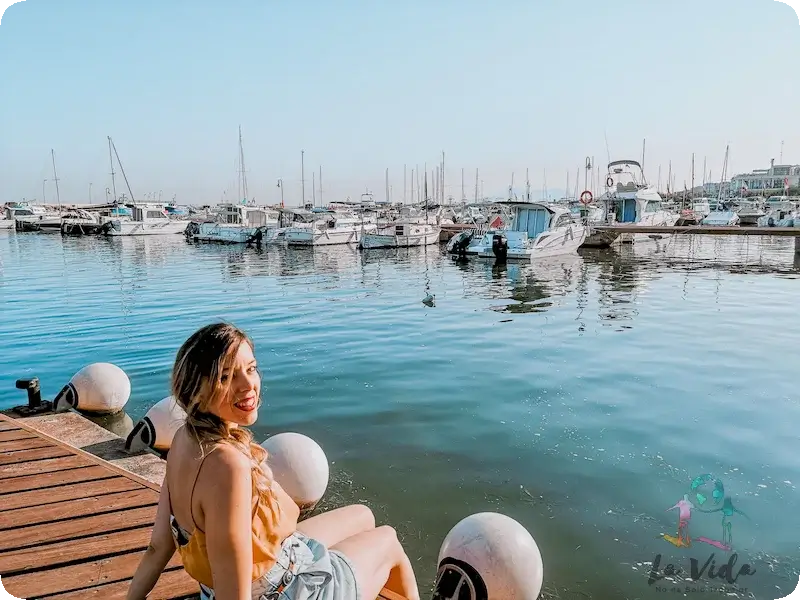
point(586, 197)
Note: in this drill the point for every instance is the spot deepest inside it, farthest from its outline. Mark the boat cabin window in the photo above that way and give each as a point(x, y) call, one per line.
point(563, 221)
point(234, 216)
point(652, 206)
point(155, 214)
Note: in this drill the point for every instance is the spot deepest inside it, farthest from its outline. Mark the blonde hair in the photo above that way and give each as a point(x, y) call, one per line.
point(197, 385)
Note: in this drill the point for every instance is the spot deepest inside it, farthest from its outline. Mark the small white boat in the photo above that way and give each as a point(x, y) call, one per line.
point(781, 211)
point(721, 218)
point(632, 200)
point(536, 231)
point(402, 235)
point(146, 219)
point(80, 222)
point(333, 229)
point(236, 224)
point(33, 217)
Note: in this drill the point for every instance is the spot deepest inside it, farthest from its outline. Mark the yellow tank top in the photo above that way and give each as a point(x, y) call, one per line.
point(273, 522)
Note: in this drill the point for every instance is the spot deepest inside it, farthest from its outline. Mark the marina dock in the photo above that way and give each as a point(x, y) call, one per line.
point(74, 525)
point(701, 230)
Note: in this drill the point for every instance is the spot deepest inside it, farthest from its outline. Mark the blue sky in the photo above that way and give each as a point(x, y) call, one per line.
point(365, 86)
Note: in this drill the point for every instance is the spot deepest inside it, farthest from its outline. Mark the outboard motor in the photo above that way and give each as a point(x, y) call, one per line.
point(461, 243)
point(500, 247)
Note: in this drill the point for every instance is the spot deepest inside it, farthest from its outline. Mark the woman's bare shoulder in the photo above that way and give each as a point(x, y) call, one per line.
point(225, 462)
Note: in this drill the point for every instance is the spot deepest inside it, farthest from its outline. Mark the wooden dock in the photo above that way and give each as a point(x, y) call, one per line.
point(74, 526)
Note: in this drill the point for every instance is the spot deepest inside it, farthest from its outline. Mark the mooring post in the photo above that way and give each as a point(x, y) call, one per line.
point(35, 403)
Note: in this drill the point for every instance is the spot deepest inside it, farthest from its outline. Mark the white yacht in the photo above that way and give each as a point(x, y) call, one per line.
point(781, 211)
point(146, 219)
point(402, 234)
point(632, 200)
point(332, 229)
point(536, 231)
point(236, 224)
point(33, 217)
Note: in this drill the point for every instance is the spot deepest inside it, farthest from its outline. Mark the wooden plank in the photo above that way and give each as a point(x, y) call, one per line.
point(91, 458)
point(26, 456)
point(43, 466)
point(38, 558)
point(172, 584)
point(64, 493)
point(45, 533)
point(68, 510)
point(8, 426)
point(56, 478)
point(29, 444)
point(17, 434)
point(77, 577)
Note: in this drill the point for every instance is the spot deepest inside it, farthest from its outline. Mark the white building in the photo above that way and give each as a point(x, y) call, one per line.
point(774, 178)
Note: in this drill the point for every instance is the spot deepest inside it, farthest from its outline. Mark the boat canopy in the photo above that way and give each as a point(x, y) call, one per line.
point(531, 218)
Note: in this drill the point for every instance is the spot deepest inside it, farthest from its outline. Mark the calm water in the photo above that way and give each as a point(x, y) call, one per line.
point(579, 396)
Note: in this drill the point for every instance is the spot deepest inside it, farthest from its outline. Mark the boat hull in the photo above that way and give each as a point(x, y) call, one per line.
point(555, 242)
point(378, 240)
point(312, 237)
point(134, 228)
point(230, 234)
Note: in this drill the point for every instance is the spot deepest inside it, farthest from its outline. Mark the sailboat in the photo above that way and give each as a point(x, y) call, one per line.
point(147, 218)
point(403, 233)
point(237, 223)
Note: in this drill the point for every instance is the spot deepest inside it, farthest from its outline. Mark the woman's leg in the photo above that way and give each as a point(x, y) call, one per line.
point(333, 526)
point(379, 561)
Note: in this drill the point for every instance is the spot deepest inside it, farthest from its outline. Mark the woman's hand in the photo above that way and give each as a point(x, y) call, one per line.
point(225, 494)
point(158, 553)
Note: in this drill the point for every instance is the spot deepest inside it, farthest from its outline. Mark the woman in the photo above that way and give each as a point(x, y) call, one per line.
point(234, 526)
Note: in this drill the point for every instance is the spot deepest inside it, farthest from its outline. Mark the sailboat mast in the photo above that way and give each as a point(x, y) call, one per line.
point(426, 195)
point(405, 179)
point(527, 186)
point(241, 165)
point(476, 186)
point(313, 188)
point(111, 160)
point(441, 185)
point(55, 177)
point(692, 178)
point(121, 168)
point(320, 187)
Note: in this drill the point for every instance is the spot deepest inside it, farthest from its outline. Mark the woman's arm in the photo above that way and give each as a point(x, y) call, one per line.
point(226, 496)
point(158, 553)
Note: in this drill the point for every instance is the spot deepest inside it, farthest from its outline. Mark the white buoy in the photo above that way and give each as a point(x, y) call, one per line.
point(300, 466)
point(493, 556)
point(157, 428)
point(99, 388)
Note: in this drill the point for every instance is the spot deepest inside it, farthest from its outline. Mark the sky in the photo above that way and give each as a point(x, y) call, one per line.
point(361, 87)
